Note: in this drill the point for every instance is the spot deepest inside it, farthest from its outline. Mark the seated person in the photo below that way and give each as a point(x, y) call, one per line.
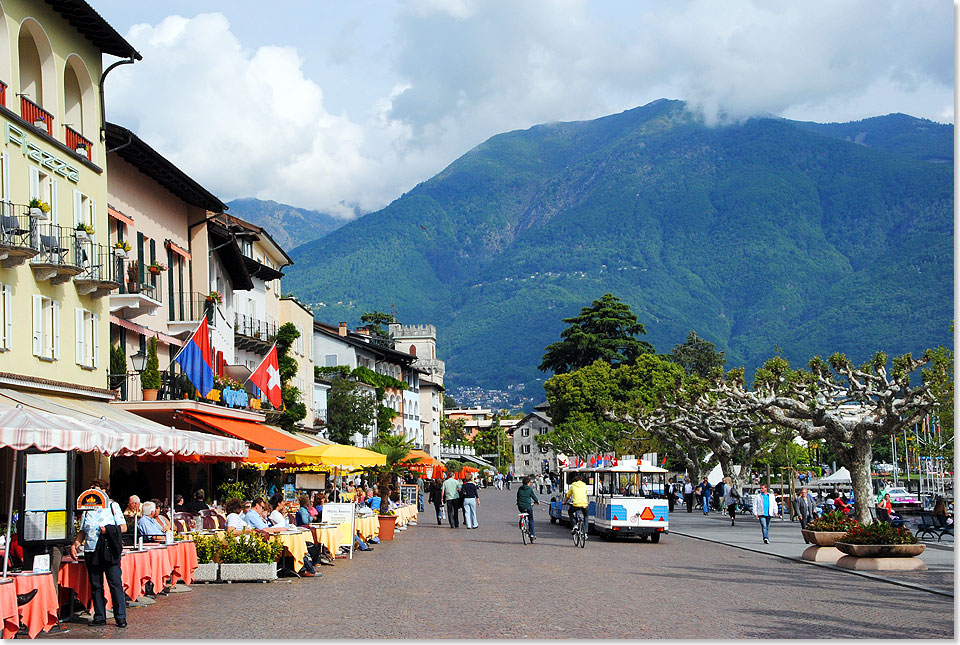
point(196, 504)
point(161, 517)
point(254, 517)
point(303, 513)
point(318, 501)
point(277, 511)
point(178, 503)
point(841, 505)
point(133, 511)
point(373, 501)
point(887, 505)
point(148, 525)
point(234, 508)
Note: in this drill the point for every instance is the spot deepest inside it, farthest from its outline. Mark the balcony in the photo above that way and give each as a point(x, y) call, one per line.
point(186, 311)
point(15, 246)
point(102, 272)
point(60, 256)
point(36, 115)
point(253, 335)
point(78, 143)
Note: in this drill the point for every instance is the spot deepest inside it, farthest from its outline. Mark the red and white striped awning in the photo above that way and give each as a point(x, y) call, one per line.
point(22, 428)
point(143, 440)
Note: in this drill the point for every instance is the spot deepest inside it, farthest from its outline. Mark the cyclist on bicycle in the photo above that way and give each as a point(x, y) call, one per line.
point(526, 498)
point(577, 496)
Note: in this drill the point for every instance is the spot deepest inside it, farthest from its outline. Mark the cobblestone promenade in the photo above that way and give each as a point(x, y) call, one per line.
point(436, 582)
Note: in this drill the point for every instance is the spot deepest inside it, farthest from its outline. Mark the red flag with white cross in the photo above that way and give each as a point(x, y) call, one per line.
point(267, 377)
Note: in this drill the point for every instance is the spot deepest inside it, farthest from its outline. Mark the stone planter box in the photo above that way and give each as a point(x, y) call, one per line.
point(827, 554)
point(821, 538)
point(206, 572)
point(881, 550)
point(248, 572)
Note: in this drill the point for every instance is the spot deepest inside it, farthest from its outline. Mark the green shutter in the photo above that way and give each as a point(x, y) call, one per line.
point(153, 276)
point(171, 304)
point(140, 263)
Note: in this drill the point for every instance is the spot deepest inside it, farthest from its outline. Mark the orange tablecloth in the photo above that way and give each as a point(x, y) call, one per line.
point(8, 607)
point(136, 568)
point(184, 556)
point(40, 614)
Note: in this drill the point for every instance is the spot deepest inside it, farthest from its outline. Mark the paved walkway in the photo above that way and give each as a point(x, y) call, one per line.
point(786, 541)
point(437, 582)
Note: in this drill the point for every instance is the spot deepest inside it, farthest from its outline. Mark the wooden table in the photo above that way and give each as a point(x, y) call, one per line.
point(8, 607)
point(40, 614)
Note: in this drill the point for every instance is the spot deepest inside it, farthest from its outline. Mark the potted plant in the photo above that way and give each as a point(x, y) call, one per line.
point(84, 231)
point(247, 557)
point(120, 249)
point(825, 530)
point(215, 297)
point(118, 367)
point(150, 378)
point(39, 209)
point(40, 122)
point(209, 548)
point(879, 540)
point(133, 277)
point(81, 148)
point(156, 268)
point(395, 448)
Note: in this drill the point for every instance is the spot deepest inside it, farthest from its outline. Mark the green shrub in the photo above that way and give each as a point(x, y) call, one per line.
point(833, 521)
point(150, 379)
point(878, 533)
point(249, 548)
point(208, 548)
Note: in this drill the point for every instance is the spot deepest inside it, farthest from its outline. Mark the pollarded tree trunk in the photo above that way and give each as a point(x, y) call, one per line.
point(860, 457)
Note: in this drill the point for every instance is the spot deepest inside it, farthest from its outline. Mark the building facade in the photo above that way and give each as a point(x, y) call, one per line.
point(529, 457)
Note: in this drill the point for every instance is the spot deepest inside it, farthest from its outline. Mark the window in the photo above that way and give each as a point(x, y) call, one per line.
point(330, 360)
point(542, 431)
point(525, 449)
point(525, 432)
point(526, 462)
point(46, 328)
point(87, 338)
point(544, 450)
point(44, 187)
point(84, 211)
point(6, 318)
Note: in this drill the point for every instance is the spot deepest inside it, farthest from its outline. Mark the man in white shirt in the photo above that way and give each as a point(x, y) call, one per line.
point(688, 494)
point(764, 507)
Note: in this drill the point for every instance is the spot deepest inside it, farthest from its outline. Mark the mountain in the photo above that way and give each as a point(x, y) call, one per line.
point(284, 222)
point(762, 236)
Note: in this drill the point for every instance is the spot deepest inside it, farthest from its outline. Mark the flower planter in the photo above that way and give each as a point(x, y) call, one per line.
point(37, 213)
point(387, 525)
point(120, 253)
point(206, 572)
point(83, 236)
point(821, 538)
point(252, 572)
point(154, 271)
point(881, 550)
point(41, 124)
point(81, 151)
point(150, 395)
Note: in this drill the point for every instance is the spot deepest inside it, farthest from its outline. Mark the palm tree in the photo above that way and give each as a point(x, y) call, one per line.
point(395, 448)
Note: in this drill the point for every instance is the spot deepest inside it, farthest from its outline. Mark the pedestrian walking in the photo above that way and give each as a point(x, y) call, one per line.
point(508, 478)
point(688, 494)
point(705, 489)
point(731, 497)
point(671, 493)
point(540, 484)
point(436, 498)
point(421, 489)
point(764, 507)
point(718, 493)
point(451, 497)
point(805, 507)
point(471, 500)
point(100, 534)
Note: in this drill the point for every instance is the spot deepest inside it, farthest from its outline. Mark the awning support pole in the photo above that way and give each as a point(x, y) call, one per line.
point(13, 480)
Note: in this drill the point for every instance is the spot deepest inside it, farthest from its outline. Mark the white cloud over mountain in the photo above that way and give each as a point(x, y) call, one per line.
point(250, 121)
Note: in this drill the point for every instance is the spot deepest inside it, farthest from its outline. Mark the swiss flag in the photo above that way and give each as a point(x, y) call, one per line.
point(267, 377)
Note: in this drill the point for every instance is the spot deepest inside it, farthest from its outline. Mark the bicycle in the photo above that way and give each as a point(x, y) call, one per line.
point(525, 529)
point(580, 529)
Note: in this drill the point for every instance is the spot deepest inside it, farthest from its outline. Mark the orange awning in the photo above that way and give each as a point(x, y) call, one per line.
point(426, 461)
point(266, 440)
point(117, 215)
point(257, 457)
point(178, 250)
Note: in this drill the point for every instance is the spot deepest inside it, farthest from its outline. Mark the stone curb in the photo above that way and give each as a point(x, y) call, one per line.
point(862, 574)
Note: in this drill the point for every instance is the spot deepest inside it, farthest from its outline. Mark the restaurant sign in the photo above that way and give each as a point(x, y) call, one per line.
point(91, 500)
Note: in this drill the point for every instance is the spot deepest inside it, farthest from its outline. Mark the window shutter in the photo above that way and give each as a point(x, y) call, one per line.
point(7, 316)
point(96, 340)
point(81, 357)
point(93, 219)
point(78, 208)
point(140, 255)
point(34, 183)
point(53, 201)
point(5, 159)
point(56, 330)
point(37, 325)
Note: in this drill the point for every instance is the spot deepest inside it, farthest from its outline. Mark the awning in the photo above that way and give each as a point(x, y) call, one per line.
point(23, 427)
point(336, 454)
point(178, 250)
point(146, 331)
point(265, 439)
point(117, 215)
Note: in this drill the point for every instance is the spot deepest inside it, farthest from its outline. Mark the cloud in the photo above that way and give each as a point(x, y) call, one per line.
point(448, 74)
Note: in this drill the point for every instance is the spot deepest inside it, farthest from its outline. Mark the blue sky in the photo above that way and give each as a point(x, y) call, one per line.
point(340, 105)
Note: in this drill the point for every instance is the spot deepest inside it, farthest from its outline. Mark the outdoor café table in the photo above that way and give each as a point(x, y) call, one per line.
point(328, 535)
point(295, 545)
point(406, 513)
point(368, 526)
point(159, 566)
point(73, 575)
point(8, 607)
point(40, 614)
point(184, 556)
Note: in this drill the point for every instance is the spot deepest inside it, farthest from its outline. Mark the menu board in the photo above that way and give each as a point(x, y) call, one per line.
point(45, 503)
point(408, 494)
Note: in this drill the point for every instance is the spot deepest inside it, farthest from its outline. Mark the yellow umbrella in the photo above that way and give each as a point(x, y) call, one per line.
point(335, 454)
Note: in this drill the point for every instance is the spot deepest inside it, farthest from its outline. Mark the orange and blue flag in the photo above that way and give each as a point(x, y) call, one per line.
point(194, 359)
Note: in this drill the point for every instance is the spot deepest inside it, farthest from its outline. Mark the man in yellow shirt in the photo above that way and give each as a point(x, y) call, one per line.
point(577, 496)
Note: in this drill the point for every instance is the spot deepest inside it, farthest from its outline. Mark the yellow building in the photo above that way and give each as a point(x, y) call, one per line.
point(54, 278)
point(292, 311)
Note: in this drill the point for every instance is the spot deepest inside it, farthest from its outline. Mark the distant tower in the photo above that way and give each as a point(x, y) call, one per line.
point(419, 341)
